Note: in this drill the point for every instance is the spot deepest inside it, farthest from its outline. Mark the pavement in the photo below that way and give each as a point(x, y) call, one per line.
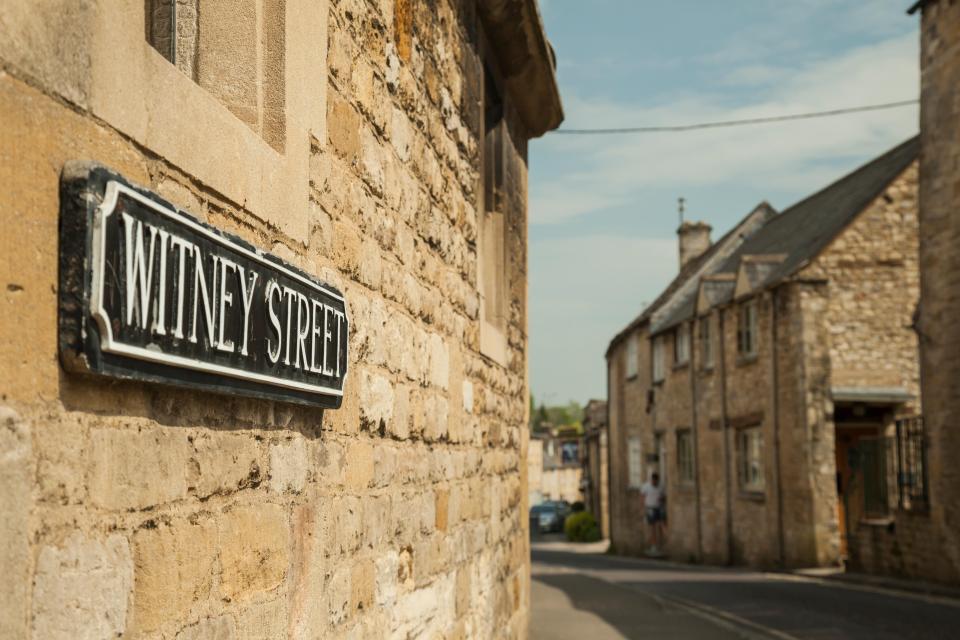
point(579, 592)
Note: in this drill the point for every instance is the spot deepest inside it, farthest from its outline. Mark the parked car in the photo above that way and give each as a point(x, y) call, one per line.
point(549, 516)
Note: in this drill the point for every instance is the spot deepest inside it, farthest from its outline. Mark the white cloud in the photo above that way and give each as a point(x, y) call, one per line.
point(612, 170)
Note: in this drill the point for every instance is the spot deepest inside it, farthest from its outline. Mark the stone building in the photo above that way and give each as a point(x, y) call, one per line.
point(594, 459)
point(770, 381)
point(561, 473)
point(377, 148)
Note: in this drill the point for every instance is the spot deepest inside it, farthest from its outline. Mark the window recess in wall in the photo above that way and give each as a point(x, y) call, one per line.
point(750, 473)
point(747, 329)
point(634, 463)
point(633, 355)
point(706, 343)
point(234, 49)
point(493, 227)
point(681, 345)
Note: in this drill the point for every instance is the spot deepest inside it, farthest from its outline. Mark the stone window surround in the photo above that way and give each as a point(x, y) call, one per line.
point(657, 360)
point(143, 96)
point(707, 347)
point(685, 459)
point(634, 462)
point(681, 348)
point(633, 356)
point(492, 256)
point(747, 336)
point(742, 434)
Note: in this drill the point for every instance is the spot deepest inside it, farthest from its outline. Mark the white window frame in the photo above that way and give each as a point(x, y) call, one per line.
point(634, 462)
point(657, 359)
point(633, 356)
point(750, 460)
point(681, 345)
point(747, 329)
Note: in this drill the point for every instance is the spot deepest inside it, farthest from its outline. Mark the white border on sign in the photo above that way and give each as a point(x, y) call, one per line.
point(107, 342)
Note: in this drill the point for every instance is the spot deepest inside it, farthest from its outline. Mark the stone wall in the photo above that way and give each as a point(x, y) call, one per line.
point(927, 544)
point(627, 406)
point(145, 511)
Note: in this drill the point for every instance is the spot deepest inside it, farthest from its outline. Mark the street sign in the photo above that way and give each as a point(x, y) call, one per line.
point(148, 292)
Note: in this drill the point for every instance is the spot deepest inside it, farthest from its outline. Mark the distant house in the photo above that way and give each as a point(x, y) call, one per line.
point(771, 381)
point(595, 481)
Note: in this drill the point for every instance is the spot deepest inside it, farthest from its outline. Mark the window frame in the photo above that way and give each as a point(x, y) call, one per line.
point(633, 356)
point(657, 364)
point(706, 343)
point(681, 336)
point(750, 442)
point(747, 329)
point(634, 462)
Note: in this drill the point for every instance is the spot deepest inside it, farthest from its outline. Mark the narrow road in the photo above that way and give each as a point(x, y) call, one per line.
point(580, 595)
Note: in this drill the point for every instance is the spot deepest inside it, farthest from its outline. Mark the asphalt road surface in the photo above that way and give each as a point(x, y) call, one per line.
point(591, 596)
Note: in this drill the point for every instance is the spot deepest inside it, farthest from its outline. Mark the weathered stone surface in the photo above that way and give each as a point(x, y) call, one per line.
point(174, 571)
point(137, 468)
point(14, 522)
point(220, 628)
point(254, 549)
point(289, 466)
point(82, 588)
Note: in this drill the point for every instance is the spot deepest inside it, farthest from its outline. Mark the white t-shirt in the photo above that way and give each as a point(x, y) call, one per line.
point(652, 495)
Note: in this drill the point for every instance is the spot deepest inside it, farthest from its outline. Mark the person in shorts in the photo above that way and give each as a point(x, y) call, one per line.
point(654, 499)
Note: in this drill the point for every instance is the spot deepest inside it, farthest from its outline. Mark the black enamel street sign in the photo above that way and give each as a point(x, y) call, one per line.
point(149, 292)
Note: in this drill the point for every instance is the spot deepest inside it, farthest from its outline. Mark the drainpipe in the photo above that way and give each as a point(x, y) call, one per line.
point(726, 439)
point(781, 543)
point(696, 437)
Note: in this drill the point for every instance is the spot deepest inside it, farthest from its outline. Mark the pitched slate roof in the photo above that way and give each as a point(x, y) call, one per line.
point(715, 254)
point(801, 232)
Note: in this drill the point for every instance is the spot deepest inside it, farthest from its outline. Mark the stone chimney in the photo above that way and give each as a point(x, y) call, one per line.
point(694, 240)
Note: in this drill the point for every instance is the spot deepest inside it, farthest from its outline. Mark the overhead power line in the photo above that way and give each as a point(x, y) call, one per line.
point(740, 123)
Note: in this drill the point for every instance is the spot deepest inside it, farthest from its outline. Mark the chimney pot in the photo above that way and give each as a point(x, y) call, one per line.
point(694, 240)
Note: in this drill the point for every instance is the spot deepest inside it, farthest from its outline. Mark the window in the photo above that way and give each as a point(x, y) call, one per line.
point(658, 359)
point(750, 459)
point(747, 329)
point(681, 345)
point(237, 56)
point(633, 347)
point(911, 464)
point(493, 227)
point(685, 461)
point(634, 461)
point(706, 342)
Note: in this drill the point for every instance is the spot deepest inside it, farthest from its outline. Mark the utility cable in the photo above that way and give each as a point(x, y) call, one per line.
point(738, 123)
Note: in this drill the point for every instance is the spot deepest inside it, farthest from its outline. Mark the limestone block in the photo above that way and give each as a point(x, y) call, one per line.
point(224, 462)
point(359, 471)
point(338, 595)
point(173, 571)
point(262, 620)
point(81, 590)
point(15, 504)
point(220, 628)
point(362, 583)
point(131, 469)
point(387, 567)
point(289, 466)
point(376, 401)
point(426, 612)
point(254, 549)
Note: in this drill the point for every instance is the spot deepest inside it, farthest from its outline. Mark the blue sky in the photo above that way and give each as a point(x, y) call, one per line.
point(603, 209)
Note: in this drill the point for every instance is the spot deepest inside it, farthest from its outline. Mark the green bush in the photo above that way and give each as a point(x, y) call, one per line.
point(581, 527)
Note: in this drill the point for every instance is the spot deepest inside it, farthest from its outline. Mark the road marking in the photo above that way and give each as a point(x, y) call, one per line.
point(890, 592)
point(724, 618)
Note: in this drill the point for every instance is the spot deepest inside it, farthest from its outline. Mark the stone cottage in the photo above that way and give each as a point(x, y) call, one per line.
point(204, 482)
point(769, 384)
